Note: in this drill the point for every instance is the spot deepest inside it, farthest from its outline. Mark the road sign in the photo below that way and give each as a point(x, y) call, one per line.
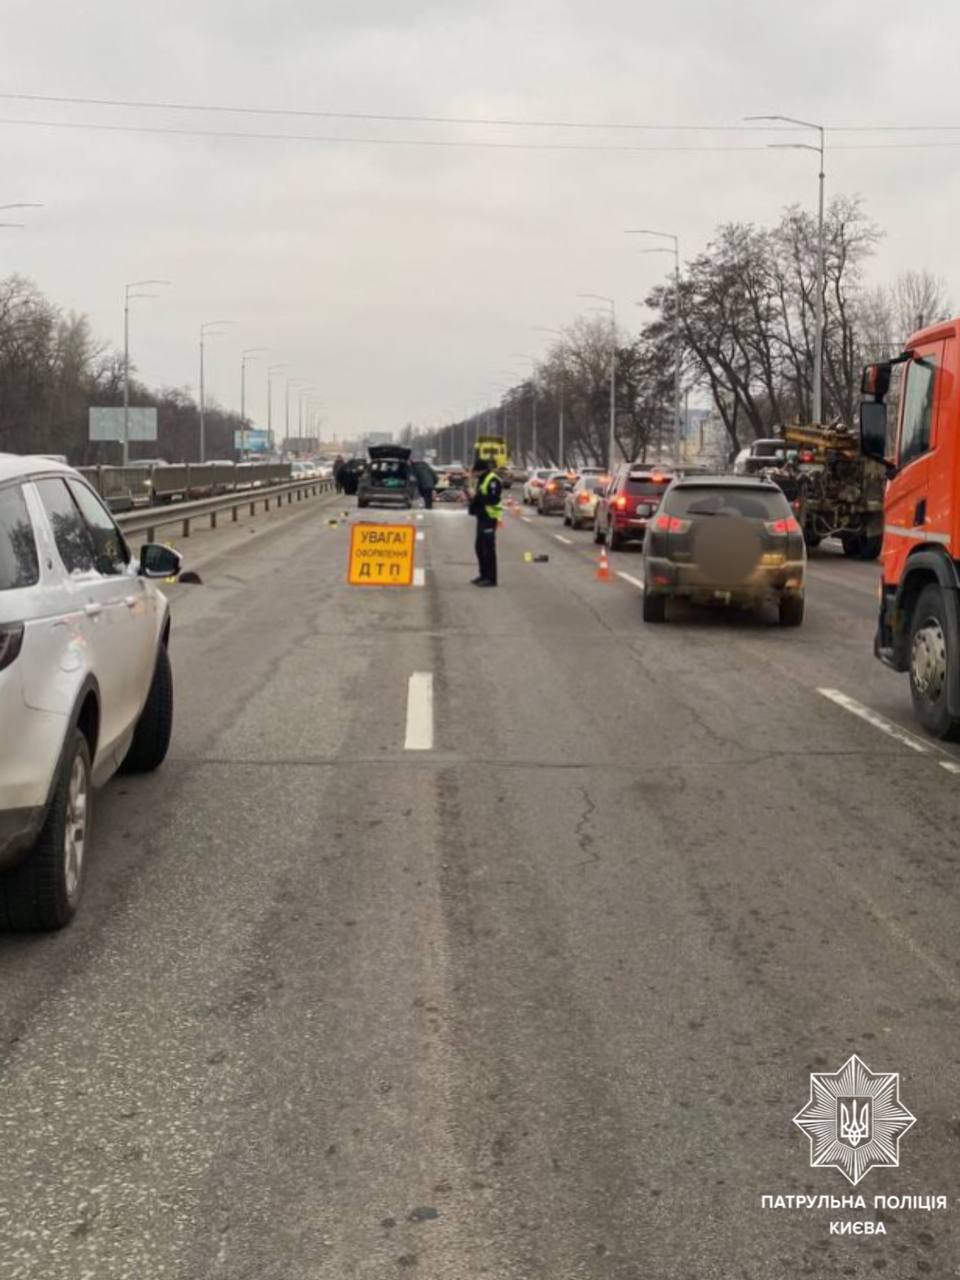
point(107, 424)
point(381, 555)
point(252, 440)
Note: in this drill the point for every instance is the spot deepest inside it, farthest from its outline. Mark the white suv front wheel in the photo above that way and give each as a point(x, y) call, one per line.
point(151, 738)
point(43, 891)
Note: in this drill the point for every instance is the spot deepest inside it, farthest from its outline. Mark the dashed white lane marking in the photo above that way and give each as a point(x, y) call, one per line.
point(420, 535)
point(877, 720)
point(566, 541)
point(951, 766)
point(419, 712)
point(628, 577)
point(419, 577)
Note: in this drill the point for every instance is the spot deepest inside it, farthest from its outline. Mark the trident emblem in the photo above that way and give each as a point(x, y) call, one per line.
point(854, 1126)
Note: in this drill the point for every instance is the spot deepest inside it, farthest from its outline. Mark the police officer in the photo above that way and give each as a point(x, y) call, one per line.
point(485, 506)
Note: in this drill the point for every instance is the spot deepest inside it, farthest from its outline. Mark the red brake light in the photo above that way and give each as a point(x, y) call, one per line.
point(786, 525)
point(584, 498)
point(620, 503)
point(672, 524)
point(551, 488)
point(806, 456)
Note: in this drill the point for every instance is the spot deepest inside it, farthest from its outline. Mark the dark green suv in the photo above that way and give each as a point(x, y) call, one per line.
point(727, 540)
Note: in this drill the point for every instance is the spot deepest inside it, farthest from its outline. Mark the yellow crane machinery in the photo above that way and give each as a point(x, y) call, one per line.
point(835, 491)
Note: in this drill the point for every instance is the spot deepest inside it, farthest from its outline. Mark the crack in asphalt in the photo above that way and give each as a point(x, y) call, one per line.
point(584, 838)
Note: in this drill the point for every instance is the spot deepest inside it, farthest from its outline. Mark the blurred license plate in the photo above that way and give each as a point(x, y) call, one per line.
point(644, 509)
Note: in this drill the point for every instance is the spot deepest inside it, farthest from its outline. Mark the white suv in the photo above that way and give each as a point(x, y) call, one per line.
point(85, 682)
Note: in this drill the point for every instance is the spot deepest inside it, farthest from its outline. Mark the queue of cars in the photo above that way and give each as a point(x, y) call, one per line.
point(730, 540)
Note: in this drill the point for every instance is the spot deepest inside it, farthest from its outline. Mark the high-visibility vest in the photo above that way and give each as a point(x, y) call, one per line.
point(493, 510)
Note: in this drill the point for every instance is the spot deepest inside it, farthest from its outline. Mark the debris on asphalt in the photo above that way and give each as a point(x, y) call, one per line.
point(424, 1213)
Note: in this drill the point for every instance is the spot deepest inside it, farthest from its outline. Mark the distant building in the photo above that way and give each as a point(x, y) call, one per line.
point(377, 437)
point(301, 446)
point(705, 438)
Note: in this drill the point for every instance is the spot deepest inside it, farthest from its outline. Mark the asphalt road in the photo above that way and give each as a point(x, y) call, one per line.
point(536, 1003)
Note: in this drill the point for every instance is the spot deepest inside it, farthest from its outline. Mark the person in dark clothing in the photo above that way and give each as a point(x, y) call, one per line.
point(350, 475)
point(426, 482)
point(337, 469)
point(485, 506)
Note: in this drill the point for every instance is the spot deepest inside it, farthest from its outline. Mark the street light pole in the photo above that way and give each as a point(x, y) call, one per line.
point(286, 404)
point(250, 351)
point(668, 235)
point(271, 370)
point(127, 295)
point(819, 150)
point(599, 297)
point(208, 326)
point(561, 453)
point(522, 355)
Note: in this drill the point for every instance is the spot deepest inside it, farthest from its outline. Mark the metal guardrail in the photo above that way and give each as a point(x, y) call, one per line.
point(147, 484)
point(148, 519)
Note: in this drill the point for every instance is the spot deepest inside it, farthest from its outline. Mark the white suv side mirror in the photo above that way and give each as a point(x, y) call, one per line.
point(159, 561)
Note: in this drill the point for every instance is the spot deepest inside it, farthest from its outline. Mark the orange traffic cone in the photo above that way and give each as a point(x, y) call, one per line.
point(603, 568)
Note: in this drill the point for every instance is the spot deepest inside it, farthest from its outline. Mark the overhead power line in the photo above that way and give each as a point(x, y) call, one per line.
point(407, 118)
point(443, 143)
point(142, 104)
point(446, 143)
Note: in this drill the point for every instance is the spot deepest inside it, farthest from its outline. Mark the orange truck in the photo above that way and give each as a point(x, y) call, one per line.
point(919, 625)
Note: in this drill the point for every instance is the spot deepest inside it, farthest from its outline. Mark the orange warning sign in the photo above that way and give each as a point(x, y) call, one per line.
point(381, 555)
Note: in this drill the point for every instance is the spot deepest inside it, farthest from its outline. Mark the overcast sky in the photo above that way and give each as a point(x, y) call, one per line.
point(402, 280)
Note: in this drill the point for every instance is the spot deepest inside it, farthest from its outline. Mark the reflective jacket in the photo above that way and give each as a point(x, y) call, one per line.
point(486, 500)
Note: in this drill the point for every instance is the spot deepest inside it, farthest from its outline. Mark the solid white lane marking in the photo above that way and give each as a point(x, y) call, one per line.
point(420, 535)
point(419, 577)
point(951, 766)
point(419, 712)
point(634, 582)
point(876, 719)
point(566, 541)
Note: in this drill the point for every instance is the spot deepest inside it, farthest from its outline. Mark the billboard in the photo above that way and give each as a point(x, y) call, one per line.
point(107, 424)
point(252, 441)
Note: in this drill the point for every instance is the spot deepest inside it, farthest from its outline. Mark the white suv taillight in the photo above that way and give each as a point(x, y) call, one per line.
point(11, 638)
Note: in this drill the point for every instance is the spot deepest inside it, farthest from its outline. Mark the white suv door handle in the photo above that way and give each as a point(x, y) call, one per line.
point(92, 609)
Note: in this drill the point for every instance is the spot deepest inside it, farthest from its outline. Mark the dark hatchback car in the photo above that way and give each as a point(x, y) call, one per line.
point(388, 477)
point(552, 497)
point(724, 539)
point(627, 504)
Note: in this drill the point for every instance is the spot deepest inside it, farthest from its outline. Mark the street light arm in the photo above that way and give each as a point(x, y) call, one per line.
point(803, 124)
point(644, 231)
point(138, 284)
point(793, 146)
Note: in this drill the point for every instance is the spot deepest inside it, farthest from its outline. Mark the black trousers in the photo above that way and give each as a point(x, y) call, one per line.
point(486, 547)
point(427, 496)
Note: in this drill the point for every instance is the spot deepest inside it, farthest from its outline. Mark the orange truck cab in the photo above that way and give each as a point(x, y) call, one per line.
point(919, 625)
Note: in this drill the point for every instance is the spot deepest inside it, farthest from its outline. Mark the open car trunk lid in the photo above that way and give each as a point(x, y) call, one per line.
point(389, 452)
